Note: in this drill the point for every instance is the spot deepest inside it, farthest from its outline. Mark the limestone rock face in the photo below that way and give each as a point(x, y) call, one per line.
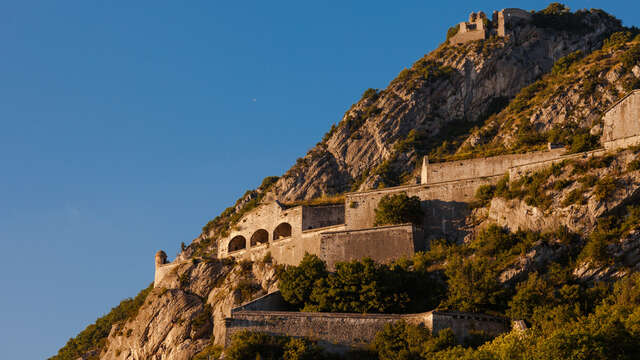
point(482, 75)
point(179, 320)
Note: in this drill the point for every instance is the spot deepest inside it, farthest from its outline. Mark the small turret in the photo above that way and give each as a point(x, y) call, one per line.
point(161, 258)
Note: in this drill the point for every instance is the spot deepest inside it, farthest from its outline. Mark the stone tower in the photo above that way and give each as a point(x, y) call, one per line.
point(161, 258)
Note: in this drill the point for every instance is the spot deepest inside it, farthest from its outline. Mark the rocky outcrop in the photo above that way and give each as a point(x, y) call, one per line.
point(186, 313)
point(453, 85)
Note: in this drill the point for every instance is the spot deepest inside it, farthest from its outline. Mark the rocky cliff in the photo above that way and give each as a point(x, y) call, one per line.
point(447, 92)
point(181, 317)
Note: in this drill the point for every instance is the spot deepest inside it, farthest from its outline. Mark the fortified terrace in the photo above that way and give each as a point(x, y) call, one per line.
point(346, 232)
point(478, 27)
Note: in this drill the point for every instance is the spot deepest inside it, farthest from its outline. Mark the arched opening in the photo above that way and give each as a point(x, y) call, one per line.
point(282, 231)
point(259, 237)
point(237, 243)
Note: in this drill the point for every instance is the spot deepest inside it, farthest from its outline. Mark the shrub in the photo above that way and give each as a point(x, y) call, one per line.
point(605, 187)
point(452, 31)
point(370, 93)
point(400, 341)
point(562, 65)
point(211, 352)
point(473, 285)
point(634, 165)
point(484, 194)
point(583, 142)
point(95, 335)
point(575, 196)
point(398, 209)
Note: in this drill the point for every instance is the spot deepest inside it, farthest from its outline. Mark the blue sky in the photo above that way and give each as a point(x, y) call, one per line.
point(126, 126)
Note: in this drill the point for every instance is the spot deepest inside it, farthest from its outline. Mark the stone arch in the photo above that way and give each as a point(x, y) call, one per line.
point(261, 236)
point(237, 243)
point(282, 231)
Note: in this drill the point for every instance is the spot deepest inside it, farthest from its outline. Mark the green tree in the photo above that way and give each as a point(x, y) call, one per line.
point(297, 282)
point(533, 292)
point(398, 209)
point(472, 284)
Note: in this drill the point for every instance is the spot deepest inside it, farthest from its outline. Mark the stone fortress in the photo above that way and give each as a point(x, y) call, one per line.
point(478, 26)
point(346, 232)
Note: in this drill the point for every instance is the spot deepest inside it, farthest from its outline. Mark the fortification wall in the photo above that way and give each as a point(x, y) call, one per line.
point(518, 171)
point(338, 332)
point(322, 216)
point(622, 123)
point(335, 332)
point(164, 274)
point(463, 37)
point(465, 324)
point(445, 206)
point(491, 166)
point(382, 244)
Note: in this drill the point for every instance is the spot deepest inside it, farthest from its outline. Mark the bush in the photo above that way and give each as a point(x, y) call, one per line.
point(473, 285)
point(95, 335)
point(398, 209)
point(452, 31)
point(484, 194)
point(634, 165)
point(400, 341)
point(562, 65)
point(583, 142)
point(249, 345)
point(575, 196)
point(605, 188)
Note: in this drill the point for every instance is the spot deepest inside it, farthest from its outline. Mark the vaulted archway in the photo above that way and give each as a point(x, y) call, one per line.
point(237, 243)
point(282, 231)
point(261, 236)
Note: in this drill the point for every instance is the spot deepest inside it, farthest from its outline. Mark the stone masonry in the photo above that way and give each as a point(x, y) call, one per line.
point(338, 332)
point(479, 28)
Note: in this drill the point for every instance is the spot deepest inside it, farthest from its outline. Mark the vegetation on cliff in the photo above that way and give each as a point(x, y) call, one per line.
point(93, 338)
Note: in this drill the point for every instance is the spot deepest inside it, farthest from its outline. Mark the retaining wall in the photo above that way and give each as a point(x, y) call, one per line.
point(476, 168)
point(382, 244)
point(338, 332)
point(622, 122)
point(445, 206)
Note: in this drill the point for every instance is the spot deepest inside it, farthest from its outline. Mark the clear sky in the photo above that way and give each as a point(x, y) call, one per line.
point(126, 125)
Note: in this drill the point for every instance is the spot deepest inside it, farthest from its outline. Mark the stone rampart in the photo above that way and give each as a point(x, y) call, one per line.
point(445, 205)
point(382, 244)
point(335, 332)
point(477, 168)
point(338, 332)
point(464, 37)
point(518, 171)
point(622, 123)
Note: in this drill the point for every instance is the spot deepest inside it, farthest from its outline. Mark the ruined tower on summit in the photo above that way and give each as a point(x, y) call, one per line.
point(479, 27)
